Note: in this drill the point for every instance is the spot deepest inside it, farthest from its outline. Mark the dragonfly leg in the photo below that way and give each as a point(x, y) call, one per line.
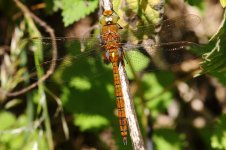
point(120, 27)
point(106, 57)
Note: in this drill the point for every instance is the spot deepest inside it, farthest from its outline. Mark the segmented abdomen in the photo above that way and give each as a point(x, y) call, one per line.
point(120, 102)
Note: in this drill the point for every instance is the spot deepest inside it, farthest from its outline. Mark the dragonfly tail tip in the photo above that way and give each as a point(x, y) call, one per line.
point(125, 140)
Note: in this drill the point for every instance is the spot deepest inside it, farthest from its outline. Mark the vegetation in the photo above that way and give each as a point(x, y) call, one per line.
point(179, 89)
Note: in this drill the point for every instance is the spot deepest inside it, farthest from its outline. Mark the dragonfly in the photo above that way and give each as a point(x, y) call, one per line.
point(114, 47)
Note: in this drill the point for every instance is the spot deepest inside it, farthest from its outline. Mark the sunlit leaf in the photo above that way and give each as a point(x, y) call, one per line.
point(80, 84)
point(218, 139)
point(7, 120)
point(154, 86)
point(135, 62)
point(214, 60)
point(168, 139)
point(73, 10)
point(87, 122)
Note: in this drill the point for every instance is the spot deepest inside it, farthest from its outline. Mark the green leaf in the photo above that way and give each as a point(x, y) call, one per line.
point(223, 3)
point(86, 82)
point(200, 3)
point(80, 83)
point(7, 120)
point(168, 139)
point(74, 10)
point(87, 121)
point(221, 77)
point(135, 62)
point(218, 139)
point(49, 5)
point(214, 60)
point(22, 135)
point(154, 86)
point(53, 6)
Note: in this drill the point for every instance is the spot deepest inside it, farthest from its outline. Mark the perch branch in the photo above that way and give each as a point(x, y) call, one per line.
point(134, 129)
point(48, 29)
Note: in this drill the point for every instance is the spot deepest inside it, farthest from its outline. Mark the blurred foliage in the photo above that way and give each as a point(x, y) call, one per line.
point(154, 84)
point(218, 139)
point(18, 133)
point(214, 60)
point(147, 11)
point(223, 3)
point(85, 87)
point(168, 139)
point(200, 4)
point(86, 122)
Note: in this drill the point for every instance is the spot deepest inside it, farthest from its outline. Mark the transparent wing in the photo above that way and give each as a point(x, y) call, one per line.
point(71, 60)
point(82, 57)
point(171, 29)
point(89, 65)
point(165, 56)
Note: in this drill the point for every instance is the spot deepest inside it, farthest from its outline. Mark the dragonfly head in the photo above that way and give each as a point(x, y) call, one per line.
point(109, 17)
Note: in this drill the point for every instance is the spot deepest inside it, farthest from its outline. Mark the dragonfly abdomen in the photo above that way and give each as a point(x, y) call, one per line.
point(114, 54)
point(120, 102)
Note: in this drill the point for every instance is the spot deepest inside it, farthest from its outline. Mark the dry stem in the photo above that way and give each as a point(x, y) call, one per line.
point(48, 29)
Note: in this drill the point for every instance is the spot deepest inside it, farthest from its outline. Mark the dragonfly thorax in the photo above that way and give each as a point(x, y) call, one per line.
point(110, 37)
point(113, 55)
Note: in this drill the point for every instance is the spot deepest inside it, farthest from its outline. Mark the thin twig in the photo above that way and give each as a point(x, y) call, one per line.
point(133, 125)
point(34, 7)
point(59, 110)
point(48, 29)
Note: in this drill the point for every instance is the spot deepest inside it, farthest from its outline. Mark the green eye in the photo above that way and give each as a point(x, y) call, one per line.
point(102, 20)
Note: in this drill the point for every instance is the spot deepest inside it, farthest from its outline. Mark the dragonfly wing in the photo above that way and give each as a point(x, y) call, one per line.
point(188, 21)
point(46, 44)
point(165, 56)
point(71, 61)
point(171, 30)
point(175, 29)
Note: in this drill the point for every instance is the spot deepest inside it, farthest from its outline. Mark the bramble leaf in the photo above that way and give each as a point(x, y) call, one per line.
point(74, 10)
point(214, 61)
point(87, 121)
